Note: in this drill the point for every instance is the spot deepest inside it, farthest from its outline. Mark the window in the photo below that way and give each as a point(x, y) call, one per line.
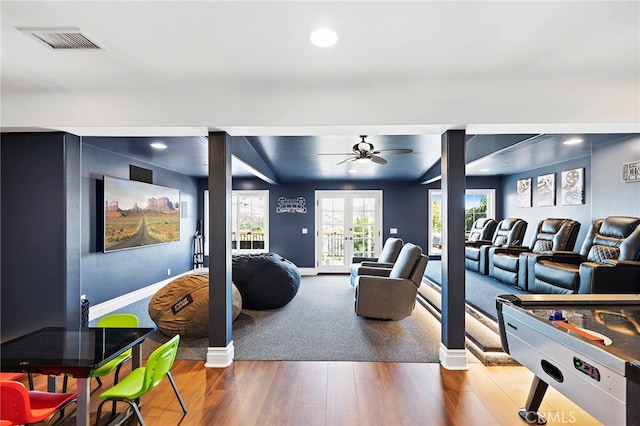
point(249, 221)
point(479, 203)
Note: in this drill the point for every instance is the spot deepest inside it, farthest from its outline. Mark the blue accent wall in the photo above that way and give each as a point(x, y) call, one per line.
point(534, 214)
point(612, 196)
point(108, 275)
point(405, 207)
point(40, 276)
point(605, 193)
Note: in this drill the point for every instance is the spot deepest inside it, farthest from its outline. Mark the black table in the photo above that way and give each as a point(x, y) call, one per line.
point(585, 346)
point(56, 350)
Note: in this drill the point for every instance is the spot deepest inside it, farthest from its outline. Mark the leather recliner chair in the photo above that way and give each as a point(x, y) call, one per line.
point(509, 264)
point(482, 229)
point(508, 232)
point(608, 262)
point(363, 265)
point(392, 297)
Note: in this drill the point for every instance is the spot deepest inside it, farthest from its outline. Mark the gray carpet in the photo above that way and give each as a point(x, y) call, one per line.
point(318, 324)
point(480, 290)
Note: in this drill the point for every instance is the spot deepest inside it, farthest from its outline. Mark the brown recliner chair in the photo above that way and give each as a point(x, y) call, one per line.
point(369, 265)
point(509, 264)
point(508, 232)
point(608, 262)
point(392, 297)
point(482, 229)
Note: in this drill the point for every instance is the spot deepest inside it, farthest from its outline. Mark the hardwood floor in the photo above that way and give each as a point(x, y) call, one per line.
point(341, 393)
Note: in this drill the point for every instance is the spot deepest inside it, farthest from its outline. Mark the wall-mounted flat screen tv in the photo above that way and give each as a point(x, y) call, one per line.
point(139, 214)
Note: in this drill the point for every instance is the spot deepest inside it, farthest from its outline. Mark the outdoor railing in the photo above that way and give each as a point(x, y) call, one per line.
point(249, 240)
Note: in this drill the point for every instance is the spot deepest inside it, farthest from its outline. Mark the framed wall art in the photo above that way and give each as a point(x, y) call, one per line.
point(546, 192)
point(572, 187)
point(524, 192)
point(138, 214)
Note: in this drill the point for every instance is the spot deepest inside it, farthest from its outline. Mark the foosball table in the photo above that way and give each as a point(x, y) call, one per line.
point(585, 346)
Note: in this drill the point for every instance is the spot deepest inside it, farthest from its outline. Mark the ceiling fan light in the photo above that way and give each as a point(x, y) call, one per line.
point(364, 146)
point(363, 159)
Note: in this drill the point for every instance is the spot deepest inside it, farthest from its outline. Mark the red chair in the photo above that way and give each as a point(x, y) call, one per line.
point(21, 406)
point(16, 377)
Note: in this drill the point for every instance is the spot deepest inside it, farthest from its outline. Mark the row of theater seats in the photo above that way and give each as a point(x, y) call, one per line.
point(608, 261)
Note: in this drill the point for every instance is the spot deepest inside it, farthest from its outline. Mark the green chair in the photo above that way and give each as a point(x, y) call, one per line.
point(143, 379)
point(111, 321)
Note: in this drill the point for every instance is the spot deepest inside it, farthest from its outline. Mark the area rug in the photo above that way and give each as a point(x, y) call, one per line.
point(319, 324)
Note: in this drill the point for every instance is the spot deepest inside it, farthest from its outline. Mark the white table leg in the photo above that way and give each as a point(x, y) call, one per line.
point(84, 398)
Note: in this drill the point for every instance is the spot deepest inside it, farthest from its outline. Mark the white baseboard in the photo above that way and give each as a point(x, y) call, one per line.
point(453, 359)
point(219, 357)
point(109, 306)
point(308, 271)
point(114, 304)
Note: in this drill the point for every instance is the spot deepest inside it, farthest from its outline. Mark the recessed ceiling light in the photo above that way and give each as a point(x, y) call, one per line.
point(158, 145)
point(324, 37)
point(484, 170)
point(573, 141)
point(351, 170)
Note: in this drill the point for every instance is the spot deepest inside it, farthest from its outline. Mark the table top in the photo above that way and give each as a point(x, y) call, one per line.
point(615, 317)
point(57, 350)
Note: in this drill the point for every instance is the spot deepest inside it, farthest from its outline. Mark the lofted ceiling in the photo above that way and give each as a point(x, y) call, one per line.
point(401, 72)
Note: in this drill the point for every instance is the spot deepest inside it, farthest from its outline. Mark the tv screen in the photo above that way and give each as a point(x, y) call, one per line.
point(139, 214)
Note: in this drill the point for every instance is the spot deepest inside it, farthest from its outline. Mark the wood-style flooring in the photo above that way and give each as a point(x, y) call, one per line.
point(340, 393)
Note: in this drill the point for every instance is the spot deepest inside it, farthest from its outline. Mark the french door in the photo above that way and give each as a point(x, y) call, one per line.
point(348, 223)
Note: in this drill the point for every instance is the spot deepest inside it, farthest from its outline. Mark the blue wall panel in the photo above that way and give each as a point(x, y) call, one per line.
point(534, 214)
point(612, 196)
point(108, 275)
point(40, 283)
point(404, 207)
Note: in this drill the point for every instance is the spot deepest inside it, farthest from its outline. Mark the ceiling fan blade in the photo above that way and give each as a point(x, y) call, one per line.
point(337, 153)
point(394, 151)
point(344, 161)
point(377, 159)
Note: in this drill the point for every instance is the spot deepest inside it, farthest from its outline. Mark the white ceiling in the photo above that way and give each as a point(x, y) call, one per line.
point(187, 67)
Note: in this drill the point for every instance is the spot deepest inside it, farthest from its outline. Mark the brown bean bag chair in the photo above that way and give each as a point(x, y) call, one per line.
point(182, 306)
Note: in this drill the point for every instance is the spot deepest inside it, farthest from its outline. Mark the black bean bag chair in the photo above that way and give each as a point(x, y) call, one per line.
point(265, 280)
point(182, 306)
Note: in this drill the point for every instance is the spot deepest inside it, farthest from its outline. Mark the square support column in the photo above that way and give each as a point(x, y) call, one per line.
point(452, 349)
point(220, 351)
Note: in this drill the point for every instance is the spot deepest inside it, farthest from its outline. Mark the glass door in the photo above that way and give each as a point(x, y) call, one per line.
point(348, 223)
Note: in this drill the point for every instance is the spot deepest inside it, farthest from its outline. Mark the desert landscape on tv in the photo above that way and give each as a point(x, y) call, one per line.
point(138, 214)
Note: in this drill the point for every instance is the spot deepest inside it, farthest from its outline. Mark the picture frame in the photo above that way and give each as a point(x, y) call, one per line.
point(523, 189)
point(138, 214)
point(572, 187)
point(546, 190)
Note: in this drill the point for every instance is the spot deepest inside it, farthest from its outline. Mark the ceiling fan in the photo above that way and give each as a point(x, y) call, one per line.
point(364, 152)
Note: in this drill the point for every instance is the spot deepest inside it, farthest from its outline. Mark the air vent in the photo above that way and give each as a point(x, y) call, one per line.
point(61, 38)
